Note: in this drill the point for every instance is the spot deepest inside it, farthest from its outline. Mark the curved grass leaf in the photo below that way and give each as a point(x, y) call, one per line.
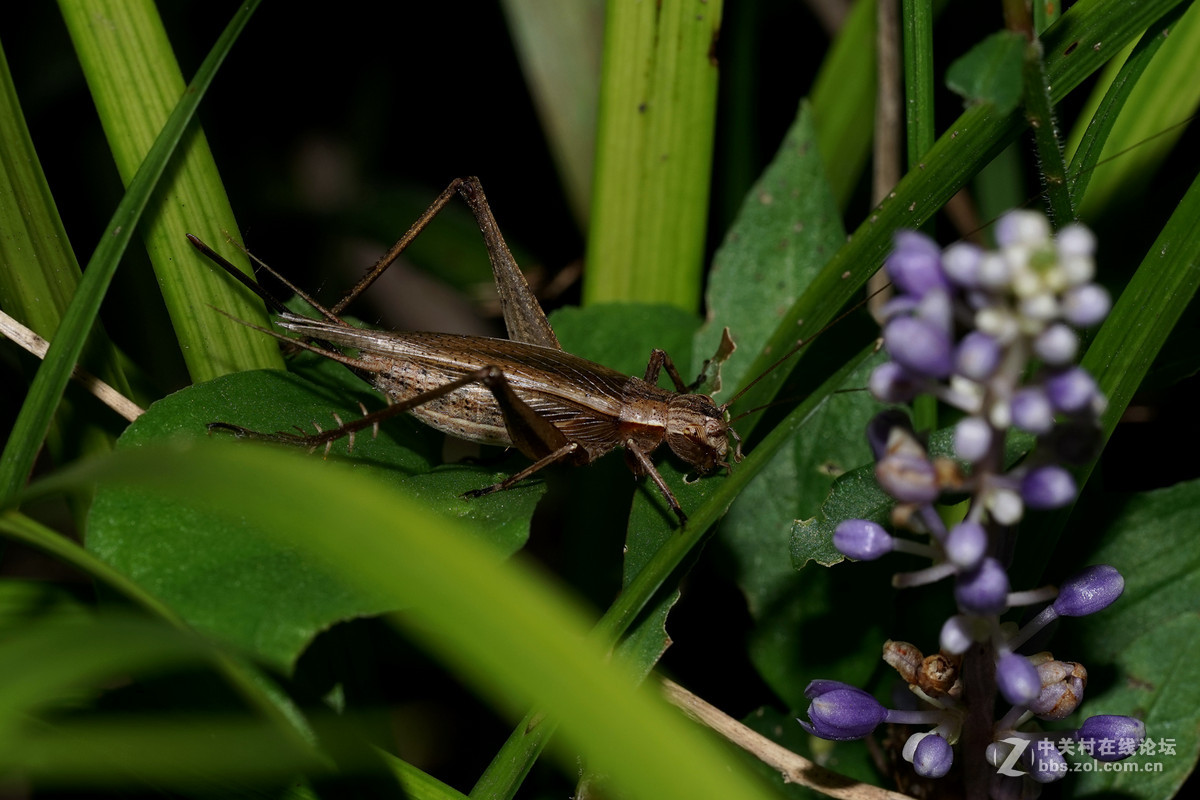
point(843, 102)
point(391, 547)
point(38, 270)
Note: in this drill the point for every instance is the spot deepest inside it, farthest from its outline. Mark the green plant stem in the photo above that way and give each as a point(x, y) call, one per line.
point(1039, 111)
point(917, 21)
point(653, 153)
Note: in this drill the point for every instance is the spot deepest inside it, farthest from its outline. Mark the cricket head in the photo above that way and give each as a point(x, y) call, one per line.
point(699, 433)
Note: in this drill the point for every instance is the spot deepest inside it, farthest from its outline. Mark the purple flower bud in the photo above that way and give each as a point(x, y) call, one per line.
point(1110, 737)
point(933, 756)
point(919, 346)
point(1071, 390)
point(1031, 410)
point(1047, 487)
point(1046, 764)
point(977, 356)
point(915, 264)
point(960, 262)
point(841, 712)
point(1086, 305)
point(1057, 345)
point(984, 591)
point(908, 477)
point(972, 438)
point(966, 545)
point(1094, 589)
point(862, 539)
point(1017, 679)
point(891, 383)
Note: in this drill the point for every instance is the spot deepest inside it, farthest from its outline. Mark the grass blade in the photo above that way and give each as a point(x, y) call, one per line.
point(33, 421)
point(135, 82)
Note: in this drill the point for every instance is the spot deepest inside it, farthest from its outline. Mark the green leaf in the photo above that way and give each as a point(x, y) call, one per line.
point(991, 72)
point(42, 665)
point(247, 589)
point(38, 270)
point(788, 227)
point(788, 606)
point(843, 102)
point(1144, 650)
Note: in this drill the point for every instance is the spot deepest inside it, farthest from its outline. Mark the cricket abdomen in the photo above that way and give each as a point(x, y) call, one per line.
point(469, 413)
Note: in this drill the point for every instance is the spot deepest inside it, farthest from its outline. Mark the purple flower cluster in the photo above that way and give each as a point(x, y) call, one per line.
point(992, 334)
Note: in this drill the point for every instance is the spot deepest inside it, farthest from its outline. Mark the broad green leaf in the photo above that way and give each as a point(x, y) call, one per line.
point(787, 229)
point(1143, 651)
point(991, 72)
point(211, 569)
point(788, 606)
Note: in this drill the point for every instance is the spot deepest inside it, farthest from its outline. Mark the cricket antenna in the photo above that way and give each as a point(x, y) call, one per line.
point(795, 349)
point(251, 284)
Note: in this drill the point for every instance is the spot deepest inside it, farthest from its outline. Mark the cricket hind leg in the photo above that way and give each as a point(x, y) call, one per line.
point(348, 429)
point(530, 433)
point(523, 315)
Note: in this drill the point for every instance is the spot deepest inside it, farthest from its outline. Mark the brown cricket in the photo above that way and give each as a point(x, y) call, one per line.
point(524, 392)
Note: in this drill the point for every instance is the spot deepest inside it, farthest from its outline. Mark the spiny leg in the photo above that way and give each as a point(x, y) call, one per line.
point(370, 420)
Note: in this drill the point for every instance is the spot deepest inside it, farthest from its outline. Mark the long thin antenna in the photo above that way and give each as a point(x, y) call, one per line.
point(799, 346)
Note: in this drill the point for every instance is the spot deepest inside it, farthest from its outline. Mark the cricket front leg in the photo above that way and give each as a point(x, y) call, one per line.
point(647, 466)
